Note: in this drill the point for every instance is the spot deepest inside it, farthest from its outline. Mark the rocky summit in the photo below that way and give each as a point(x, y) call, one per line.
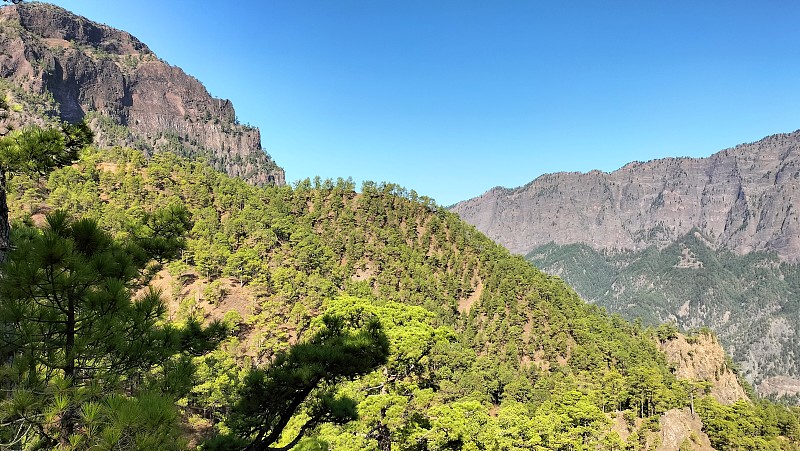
point(55, 63)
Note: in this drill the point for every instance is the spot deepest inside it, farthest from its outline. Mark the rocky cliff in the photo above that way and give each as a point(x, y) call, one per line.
point(53, 62)
point(744, 198)
point(701, 358)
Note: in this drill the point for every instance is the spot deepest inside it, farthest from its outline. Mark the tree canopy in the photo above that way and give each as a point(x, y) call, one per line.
point(304, 380)
point(75, 340)
point(484, 350)
point(36, 151)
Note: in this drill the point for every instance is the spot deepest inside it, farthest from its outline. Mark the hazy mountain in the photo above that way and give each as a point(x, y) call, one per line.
point(59, 64)
point(750, 301)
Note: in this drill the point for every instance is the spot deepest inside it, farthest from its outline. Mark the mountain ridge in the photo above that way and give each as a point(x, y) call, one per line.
point(129, 96)
point(698, 242)
point(743, 197)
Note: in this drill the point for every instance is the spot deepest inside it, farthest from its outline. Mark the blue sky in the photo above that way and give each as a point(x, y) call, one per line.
point(452, 98)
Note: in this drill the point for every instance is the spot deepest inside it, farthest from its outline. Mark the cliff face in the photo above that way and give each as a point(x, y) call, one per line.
point(745, 199)
point(127, 94)
point(698, 358)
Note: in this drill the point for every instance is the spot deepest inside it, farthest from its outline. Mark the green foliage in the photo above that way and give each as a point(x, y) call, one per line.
point(484, 350)
point(666, 332)
point(82, 357)
point(66, 301)
point(303, 381)
point(214, 292)
point(163, 232)
point(462, 425)
point(35, 151)
point(745, 425)
point(687, 283)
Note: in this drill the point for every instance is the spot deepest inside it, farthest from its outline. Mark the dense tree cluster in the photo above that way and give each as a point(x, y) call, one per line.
point(35, 151)
point(74, 340)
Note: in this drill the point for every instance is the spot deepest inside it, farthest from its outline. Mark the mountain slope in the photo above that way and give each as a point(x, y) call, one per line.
point(744, 199)
point(487, 351)
point(750, 301)
point(56, 63)
point(696, 241)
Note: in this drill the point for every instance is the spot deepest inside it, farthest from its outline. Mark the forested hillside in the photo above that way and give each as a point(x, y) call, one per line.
point(484, 351)
point(750, 301)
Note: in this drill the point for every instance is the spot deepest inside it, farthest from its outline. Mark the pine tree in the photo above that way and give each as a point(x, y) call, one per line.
point(74, 338)
point(36, 151)
point(304, 380)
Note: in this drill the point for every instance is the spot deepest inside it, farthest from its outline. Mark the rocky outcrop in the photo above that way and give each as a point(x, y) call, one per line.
point(744, 198)
point(681, 430)
point(126, 93)
point(696, 358)
point(701, 358)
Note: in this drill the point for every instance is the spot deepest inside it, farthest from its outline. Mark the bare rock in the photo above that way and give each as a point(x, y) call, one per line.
point(780, 386)
point(681, 427)
point(701, 357)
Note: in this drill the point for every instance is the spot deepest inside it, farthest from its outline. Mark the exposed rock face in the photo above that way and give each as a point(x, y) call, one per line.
point(701, 357)
point(779, 386)
point(112, 79)
point(745, 198)
point(679, 428)
point(696, 358)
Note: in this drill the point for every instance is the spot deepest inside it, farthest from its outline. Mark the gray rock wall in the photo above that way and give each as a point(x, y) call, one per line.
point(744, 198)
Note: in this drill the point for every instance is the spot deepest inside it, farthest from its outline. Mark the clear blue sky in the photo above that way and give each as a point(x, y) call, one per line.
point(451, 98)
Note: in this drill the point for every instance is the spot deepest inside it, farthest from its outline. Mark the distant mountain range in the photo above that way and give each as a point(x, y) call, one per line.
point(55, 63)
point(696, 241)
